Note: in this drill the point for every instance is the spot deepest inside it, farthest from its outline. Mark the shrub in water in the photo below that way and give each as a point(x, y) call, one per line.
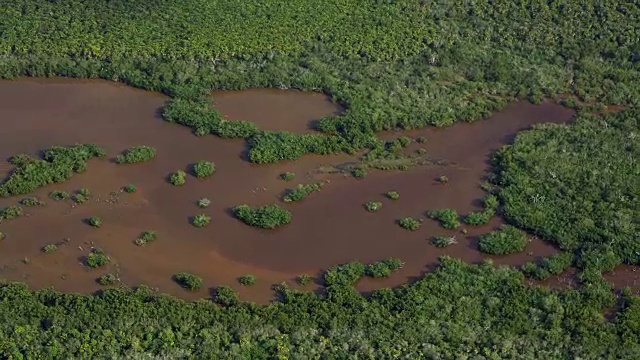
point(378, 269)
point(204, 203)
point(11, 212)
point(443, 241)
point(203, 169)
point(393, 195)
point(288, 176)
point(146, 237)
point(32, 201)
point(107, 279)
point(448, 218)
point(506, 240)
point(225, 295)
point(478, 218)
point(410, 223)
point(178, 178)
point(359, 173)
point(373, 206)
point(84, 192)
point(443, 179)
point(2, 236)
point(79, 199)
point(50, 248)
point(421, 140)
point(130, 188)
point(247, 280)
point(136, 154)
point(188, 281)
point(301, 191)
point(304, 279)
point(95, 221)
point(200, 220)
point(58, 195)
point(266, 217)
point(97, 258)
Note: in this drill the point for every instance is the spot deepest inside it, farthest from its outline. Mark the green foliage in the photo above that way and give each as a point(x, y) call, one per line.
point(50, 248)
point(224, 295)
point(136, 154)
point(203, 169)
point(58, 164)
point(79, 198)
point(247, 280)
point(84, 192)
point(577, 185)
point(204, 203)
point(97, 258)
point(448, 218)
point(443, 179)
point(288, 176)
point(383, 268)
point(11, 212)
point(270, 147)
point(551, 265)
point(410, 223)
point(505, 240)
point(130, 188)
point(481, 218)
point(359, 172)
point(443, 241)
point(266, 217)
point(393, 195)
point(146, 237)
point(200, 220)
point(95, 221)
point(421, 140)
point(32, 201)
point(178, 178)
point(107, 279)
point(188, 281)
point(58, 195)
point(373, 206)
point(301, 191)
point(346, 274)
point(305, 279)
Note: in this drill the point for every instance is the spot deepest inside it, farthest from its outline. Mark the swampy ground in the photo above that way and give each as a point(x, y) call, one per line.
point(328, 228)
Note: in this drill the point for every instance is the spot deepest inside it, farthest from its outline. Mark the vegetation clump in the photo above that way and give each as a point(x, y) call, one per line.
point(58, 195)
point(483, 217)
point(58, 164)
point(288, 176)
point(305, 279)
point(247, 280)
point(266, 217)
point(203, 169)
point(188, 281)
point(551, 265)
point(32, 201)
point(301, 191)
point(200, 220)
point(130, 188)
point(410, 223)
point(97, 258)
point(225, 295)
point(204, 203)
point(178, 178)
point(95, 221)
point(11, 212)
point(506, 240)
point(50, 248)
point(448, 218)
point(146, 237)
point(383, 268)
point(443, 241)
point(136, 154)
point(107, 279)
point(373, 206)
point(393, 195)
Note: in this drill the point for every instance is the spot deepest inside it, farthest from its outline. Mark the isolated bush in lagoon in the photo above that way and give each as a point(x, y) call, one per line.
point(11, 212)
point(301, 191)
point(32, 201)
point(97, 258)
point(58, 164)
point(136, 154)
point(410, 223)
point(266, 217)
point(178, 178)
point(188, 281)
point(448, 218)
point(203, 169)
point(200, 220)
point(373, 206)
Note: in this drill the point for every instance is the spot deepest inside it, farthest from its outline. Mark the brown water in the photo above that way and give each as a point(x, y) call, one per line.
point(329, 227)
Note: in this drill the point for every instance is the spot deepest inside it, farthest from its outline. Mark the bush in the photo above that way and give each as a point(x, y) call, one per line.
point(178, 178)
point(203, 169)
point(58, 164)
point(266, 217)
point(443, 179)
point(477, 218)
point(506, 240)
point(84, 192)
point(346, 274)
point(247, 280)
point(200, 220)
point(373, 206)
point(79, 199)
point(11, 212)
point(393, 195)
point(58, 195)
point(95, 221)
point(288, 176)
point(204, 203)
point(136, 154)
point(50, 248)
point(383, 268)
point(32, 201)
point(301, 191)
point(130, 188)
point(305, 279)
point(146, 237)
point(225, 295)
point(97, 258)
point(359, 172)
point(421, 140)
point(107, 279)
point(188, 281)
point(410, 223)
point(448, 218)
point(443, 241)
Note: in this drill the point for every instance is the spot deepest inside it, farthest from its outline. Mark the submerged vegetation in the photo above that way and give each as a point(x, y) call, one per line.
point(301, 191)
point(266, 217)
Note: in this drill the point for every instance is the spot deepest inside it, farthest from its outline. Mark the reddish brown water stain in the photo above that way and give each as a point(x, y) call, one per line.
point(271, 109)
point(328, 228)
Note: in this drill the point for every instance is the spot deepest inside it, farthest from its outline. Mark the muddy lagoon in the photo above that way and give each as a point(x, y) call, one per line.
point(329, 227)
